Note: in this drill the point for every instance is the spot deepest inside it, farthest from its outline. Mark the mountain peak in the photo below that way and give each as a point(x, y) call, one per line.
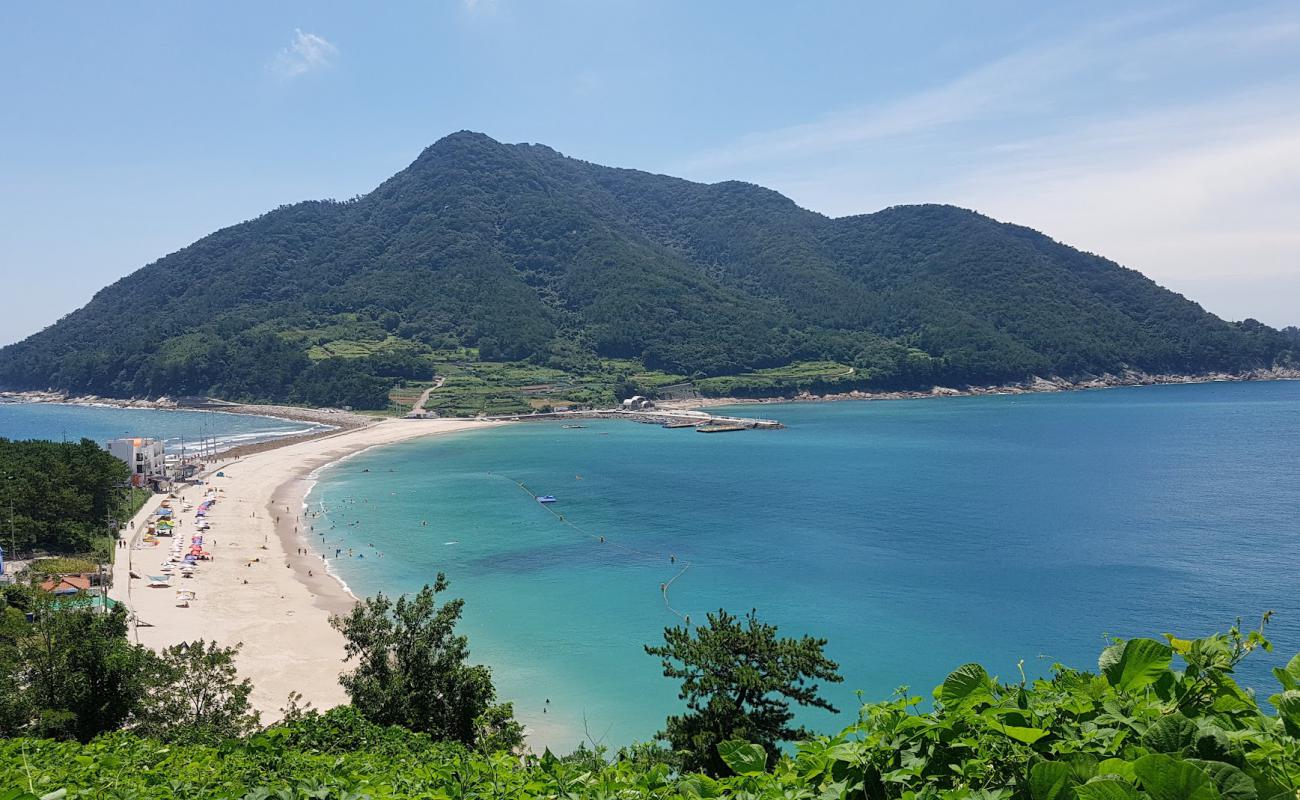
point(459, 141)
point(518, 253)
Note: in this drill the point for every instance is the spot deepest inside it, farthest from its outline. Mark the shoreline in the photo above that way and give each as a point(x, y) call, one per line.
point(258, 589)
point(347, 420)
point(1034, 385)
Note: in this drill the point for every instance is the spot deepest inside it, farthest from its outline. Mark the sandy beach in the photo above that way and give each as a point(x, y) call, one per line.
point(258, 589)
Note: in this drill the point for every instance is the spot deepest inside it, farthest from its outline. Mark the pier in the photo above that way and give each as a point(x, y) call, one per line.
point(662, 417)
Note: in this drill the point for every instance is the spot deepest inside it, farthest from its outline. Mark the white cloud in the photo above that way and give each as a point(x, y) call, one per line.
point(306, 52)
point(1030, 82)
point(1195, 184)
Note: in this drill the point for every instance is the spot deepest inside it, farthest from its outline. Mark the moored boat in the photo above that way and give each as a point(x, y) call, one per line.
point(546, 498)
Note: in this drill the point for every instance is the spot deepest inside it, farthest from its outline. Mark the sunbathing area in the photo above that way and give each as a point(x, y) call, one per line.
point(227, 558)
point(186, 549)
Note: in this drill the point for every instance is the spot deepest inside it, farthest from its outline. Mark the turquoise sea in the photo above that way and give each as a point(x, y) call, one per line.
point(913, 535)
point(60, 421)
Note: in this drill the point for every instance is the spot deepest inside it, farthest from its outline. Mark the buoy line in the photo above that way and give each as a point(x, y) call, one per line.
point(663, 587)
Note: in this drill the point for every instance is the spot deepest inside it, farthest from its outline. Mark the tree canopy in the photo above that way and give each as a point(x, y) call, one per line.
point(739, 679)
point(515, 252)
point(64, 495)
point(412, 670)
point(1158, 719)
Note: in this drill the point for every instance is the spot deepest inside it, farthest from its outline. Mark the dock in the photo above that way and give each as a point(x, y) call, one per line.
point(663, 418)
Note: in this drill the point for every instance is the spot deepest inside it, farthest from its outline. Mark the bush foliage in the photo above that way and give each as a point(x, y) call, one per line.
point(1162, 720)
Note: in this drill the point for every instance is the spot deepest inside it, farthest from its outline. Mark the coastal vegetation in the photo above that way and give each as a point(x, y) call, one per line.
point(412, 670)
point(482, 258)
point(62, 497)
point(738, 681)
point(1158, 719)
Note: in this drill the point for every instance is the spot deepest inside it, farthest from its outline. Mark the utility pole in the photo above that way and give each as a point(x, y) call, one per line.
point(13, 532)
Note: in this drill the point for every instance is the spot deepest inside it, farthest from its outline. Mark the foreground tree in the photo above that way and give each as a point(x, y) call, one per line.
point(412, 671)
point(69, 673)
point(738, 681)
point(196, 695)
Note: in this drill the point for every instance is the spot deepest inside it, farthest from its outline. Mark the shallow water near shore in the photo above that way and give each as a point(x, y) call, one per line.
point(62, 421)
point(914, 536)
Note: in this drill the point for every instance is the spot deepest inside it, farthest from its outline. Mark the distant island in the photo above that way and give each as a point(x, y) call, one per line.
point(525, 279)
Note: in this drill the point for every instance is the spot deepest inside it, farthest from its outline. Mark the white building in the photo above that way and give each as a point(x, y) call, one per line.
point(143, 456)
point(637, 403)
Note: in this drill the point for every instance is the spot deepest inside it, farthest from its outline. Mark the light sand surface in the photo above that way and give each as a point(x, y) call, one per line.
point(257, 589)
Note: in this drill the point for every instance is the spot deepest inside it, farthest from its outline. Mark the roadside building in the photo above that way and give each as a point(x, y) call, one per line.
point(143, 456)
point(66, 584)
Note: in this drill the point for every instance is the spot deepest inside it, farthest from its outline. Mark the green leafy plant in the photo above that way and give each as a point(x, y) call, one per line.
point(1129, 731)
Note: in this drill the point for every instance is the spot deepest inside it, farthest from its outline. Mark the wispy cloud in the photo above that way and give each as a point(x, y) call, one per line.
point(306, 52)
point(1125, 140)
point(1022, 84)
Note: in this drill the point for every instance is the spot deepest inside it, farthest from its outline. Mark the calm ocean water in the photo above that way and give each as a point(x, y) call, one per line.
point(101, 423)
point(913, 535)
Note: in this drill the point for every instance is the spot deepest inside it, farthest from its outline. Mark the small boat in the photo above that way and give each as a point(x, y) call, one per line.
point(572, 427)
point(546, 498)
point(719, 428)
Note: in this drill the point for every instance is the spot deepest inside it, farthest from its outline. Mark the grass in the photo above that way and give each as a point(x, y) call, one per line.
point(472, 387)
point(498, 387)
point(799, 376)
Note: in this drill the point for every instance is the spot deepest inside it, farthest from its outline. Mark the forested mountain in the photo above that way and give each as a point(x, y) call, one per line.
point(517, 253)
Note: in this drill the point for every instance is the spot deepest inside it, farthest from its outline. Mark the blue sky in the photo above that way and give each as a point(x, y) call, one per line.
point(1165, 136)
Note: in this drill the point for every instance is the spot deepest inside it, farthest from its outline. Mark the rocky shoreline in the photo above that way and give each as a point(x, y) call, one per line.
point(341, 419)
point(1034, 385)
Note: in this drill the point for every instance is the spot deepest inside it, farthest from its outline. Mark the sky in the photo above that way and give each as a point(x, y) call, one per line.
point(1165, 136)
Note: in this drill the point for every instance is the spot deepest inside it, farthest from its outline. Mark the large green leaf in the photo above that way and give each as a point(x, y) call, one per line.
point(1109, 657)
point(1141, 662)
point(1289, 676)
point(1106, 788)
point(1232, 783)
point(1167, 778)
point(1117, 766)
point(1083, 765)
point(1288, 708)
point(701, 786)
point(1170, 734)
point(743, 758)
point(1050, 780)
point(1018, 732)
point(966, 684)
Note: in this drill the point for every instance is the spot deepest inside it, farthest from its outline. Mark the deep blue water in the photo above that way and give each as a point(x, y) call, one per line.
point(101, 423)
point(913, 535)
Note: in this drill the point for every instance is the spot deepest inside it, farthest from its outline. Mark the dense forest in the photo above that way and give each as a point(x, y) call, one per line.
point(61, 497)
point(515, 253)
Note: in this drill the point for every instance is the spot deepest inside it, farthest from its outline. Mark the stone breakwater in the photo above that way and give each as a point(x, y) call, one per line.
point(1031, 386)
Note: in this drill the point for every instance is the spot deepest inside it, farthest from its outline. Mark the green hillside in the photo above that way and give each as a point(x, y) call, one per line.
point(481, 252)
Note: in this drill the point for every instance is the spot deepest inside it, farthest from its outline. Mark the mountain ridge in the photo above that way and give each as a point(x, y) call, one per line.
point(496, 252)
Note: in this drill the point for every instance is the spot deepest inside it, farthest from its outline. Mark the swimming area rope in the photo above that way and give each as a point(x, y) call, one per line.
point(663, 587)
